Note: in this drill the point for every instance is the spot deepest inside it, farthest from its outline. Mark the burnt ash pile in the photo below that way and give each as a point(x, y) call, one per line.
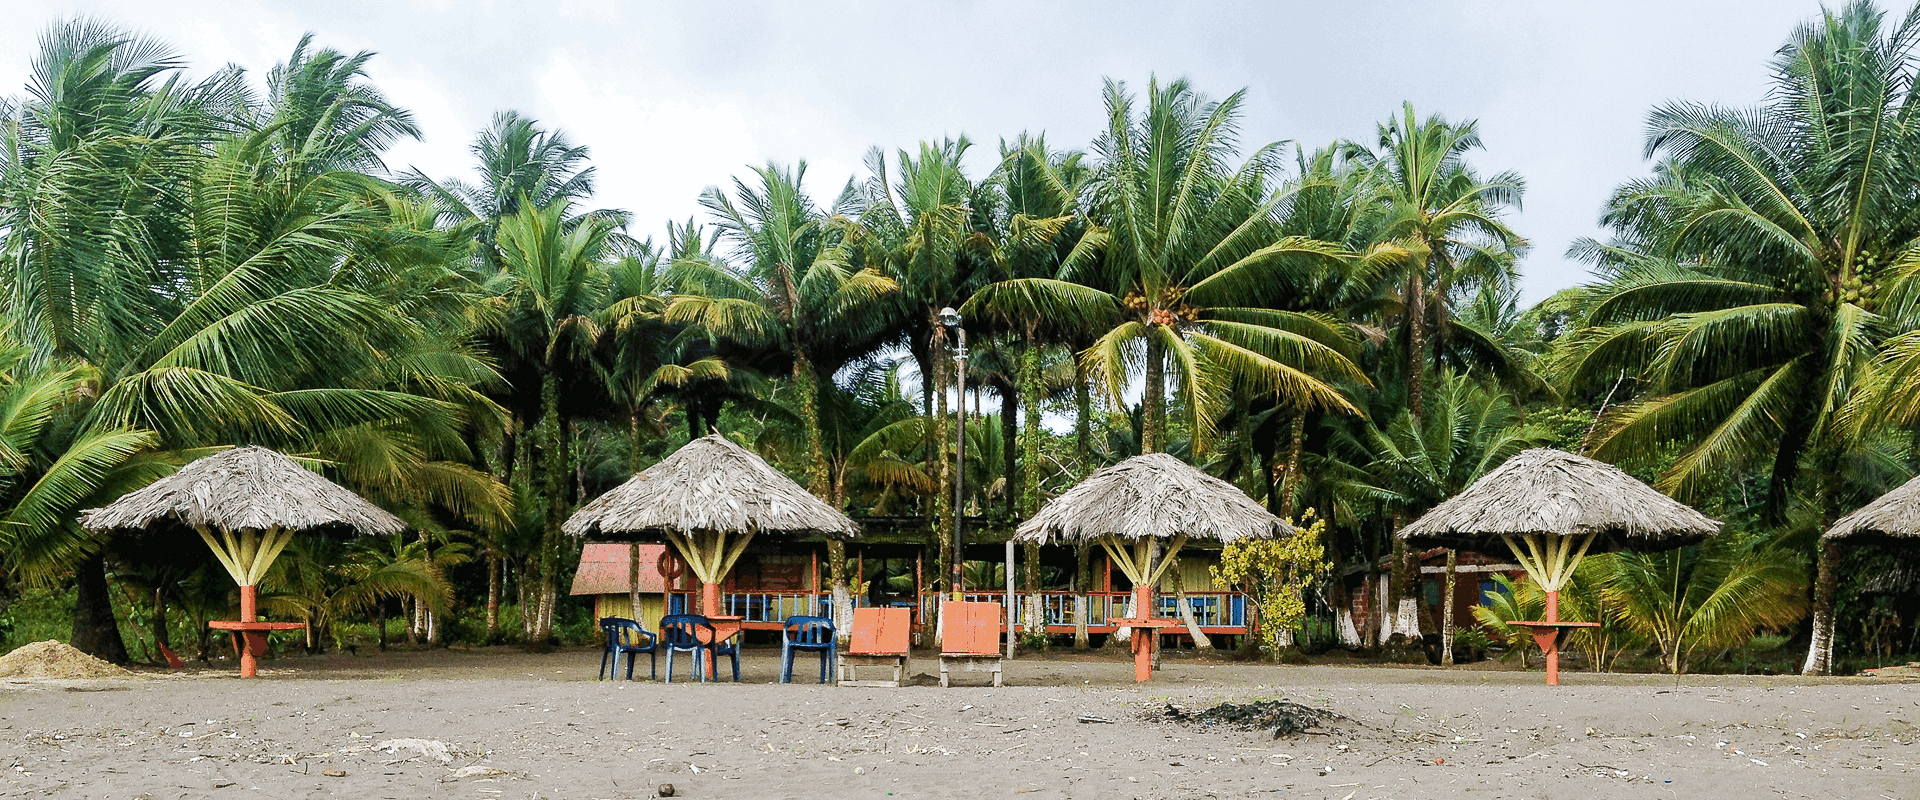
point(1279, 716)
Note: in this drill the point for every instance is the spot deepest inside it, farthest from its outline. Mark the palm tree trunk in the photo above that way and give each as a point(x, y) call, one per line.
point(1010, 448)
point(943, 458)
point(1082, 420)
point(1200, 640)
point(1416, 343)
point(494, 570)
point(1154, 402)
point(807, 384)
point(95, 631)
point(842, 593)
point(1289, 480)
point(1825, 585)
point(1082, 605)
point(557, 467)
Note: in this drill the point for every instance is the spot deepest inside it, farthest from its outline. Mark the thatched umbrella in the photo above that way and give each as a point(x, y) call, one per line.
point(708, 499)
point(246, 504)
point(1893, 519)
point(1561, 506)
point(1145, 501)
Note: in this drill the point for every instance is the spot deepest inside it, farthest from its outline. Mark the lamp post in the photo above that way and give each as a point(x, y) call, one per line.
point(950, 319)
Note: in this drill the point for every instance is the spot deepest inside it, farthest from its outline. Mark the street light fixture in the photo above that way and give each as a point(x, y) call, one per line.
point(950, 319)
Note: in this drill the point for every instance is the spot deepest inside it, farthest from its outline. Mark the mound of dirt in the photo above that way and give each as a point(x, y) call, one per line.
point(55, 659)
point(1283, 718)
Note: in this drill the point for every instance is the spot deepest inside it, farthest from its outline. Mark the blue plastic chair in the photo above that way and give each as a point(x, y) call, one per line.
point(681, 633)
point(808, 633)
point(626, 637)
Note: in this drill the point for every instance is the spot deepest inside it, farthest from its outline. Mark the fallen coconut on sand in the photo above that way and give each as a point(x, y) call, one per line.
point(55, 659)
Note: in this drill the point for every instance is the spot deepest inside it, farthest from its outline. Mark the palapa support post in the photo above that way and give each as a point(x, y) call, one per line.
point(247, 558)
point(1546, 559)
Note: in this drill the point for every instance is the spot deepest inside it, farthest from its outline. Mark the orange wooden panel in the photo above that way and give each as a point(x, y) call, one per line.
point(881, 631)
point(970, 628)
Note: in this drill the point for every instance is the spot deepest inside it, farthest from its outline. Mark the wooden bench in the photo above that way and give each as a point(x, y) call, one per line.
point(879, 640)
point(970, 637)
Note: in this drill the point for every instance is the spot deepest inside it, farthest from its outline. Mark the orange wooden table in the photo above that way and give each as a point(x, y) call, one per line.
point(1551, 633)
point(250, 634)
point(1146, 630)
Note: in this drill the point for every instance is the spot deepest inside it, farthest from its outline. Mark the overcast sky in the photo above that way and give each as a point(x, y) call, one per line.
point(674, 97)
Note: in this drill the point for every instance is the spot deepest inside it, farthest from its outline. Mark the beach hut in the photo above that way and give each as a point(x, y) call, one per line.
point(1551, 508)
point(1142, 511)
point(1893, 519)
point(247, 504)
point(708, 500)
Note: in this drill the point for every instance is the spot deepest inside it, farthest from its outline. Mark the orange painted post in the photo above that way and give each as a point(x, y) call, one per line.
point(1553, 649)
point(249, 612)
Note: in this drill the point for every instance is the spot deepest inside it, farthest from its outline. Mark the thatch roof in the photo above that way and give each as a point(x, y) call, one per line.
point(1895, 517)
point(1561, 494)
point(711, 484)
point(246, 488)
point(1153, 495)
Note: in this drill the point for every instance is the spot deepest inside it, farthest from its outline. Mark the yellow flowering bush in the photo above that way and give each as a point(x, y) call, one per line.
point(1276, 574)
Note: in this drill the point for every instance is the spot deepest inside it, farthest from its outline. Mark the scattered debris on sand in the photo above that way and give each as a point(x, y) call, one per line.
point(421, 748)
point(1279, 716)
point(56, 659)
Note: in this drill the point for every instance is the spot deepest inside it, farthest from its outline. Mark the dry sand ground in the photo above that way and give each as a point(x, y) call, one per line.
point(526, 726)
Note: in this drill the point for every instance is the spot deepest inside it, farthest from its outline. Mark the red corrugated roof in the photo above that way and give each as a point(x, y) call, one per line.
point(604, 569)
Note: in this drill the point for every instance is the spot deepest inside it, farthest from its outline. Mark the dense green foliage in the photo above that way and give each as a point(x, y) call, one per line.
point(194, 264)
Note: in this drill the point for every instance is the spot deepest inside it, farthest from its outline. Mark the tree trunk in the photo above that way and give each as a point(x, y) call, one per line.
point(1082, 419)
point(494, 571)
point(1082, 604)
point(807, 384)
point(943, 463)
point(160, 636)
point(842, 592)
point(1153, 430)
point(1200, 640)
point(1446, 609)
point(1408, 616)
point(1012, 471)
point(1289, 480)
point(557, 466)
point(382, 605)
point(95, 631)
point(1416, 343)
point(1826, 584)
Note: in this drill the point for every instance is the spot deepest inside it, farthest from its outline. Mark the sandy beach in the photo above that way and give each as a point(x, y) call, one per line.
point(498, 723)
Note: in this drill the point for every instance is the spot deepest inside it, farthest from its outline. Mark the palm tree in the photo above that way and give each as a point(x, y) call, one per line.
point(1192, 244)
point(519, 164)
point(158, 241)
point(1742, 289)
point(1707, 596)
point(798, 295)
point(922, 230)
point(549, 289)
